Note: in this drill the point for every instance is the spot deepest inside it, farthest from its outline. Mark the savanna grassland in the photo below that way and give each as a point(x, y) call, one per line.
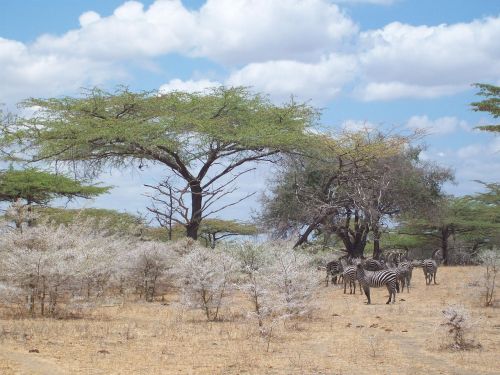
point(342, 336)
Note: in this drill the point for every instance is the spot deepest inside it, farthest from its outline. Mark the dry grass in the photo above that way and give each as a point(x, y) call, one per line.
point(344, 337)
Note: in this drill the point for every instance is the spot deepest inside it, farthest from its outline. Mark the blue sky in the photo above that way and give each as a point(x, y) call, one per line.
point(403, 63)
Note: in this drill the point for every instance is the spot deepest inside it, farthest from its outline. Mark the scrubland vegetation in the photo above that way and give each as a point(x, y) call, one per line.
point(105, 292)
point(84, 301)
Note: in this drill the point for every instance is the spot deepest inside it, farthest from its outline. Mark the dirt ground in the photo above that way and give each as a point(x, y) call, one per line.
point(344, 336)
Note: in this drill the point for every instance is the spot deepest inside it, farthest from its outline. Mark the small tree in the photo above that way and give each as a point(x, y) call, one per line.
point(213, 230)
point(491, 263)
point(205, 280)
point(33, 186)
point(147, 264)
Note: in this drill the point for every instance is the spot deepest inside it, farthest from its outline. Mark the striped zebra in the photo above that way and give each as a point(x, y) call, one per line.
point(430, 270)
point(373, 265)
point(377, 279)
point(333, 270)
point(403, 274)
point(349, 276)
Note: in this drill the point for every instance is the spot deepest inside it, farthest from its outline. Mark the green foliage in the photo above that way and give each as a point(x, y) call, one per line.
point(116, 222)
point(41, 187)
point(191, 134)
point(102, 127)
point(491, 104)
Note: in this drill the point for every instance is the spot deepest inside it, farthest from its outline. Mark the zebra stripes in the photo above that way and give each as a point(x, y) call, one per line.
point(333, 270)
point(430, 270)
point(377, 279)
point(373, 265)
point(349, 276)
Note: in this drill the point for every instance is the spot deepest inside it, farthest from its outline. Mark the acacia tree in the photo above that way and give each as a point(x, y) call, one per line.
point(203, 138)
point(473, 219)
point(352, 194)
point(313, 193)
point(213, 230)
point(491, 104)
point(39, 187)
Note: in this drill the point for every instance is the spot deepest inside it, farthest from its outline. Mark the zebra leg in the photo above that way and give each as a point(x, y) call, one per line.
point(345, 286)
point(367, 294)
point(353, 283)
point(360, 288)
point(435, 277)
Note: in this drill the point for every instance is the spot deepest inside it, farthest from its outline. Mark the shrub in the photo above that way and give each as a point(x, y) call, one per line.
point(457, 325)
point(278, 281)
point(46, 262)
point(204, 276)
point(146, 265)
point(490, 260)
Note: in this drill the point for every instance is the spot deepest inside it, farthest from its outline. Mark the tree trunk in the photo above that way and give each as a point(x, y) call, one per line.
point(303, 237)
point(445, 234)
point(376, 243)
point(196, 213)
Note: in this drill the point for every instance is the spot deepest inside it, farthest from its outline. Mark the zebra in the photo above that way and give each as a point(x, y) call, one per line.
point(430, 270)
point(349, 276)
point(406, 270)
point(373, 265)
point(429, 266)
point(333, 269)
point(377, 279)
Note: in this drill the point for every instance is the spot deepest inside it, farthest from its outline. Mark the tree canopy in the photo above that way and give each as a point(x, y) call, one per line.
point(491, 104)
point(471, 221)
point(203, 138)
point(353, 193)
point(213, 230)
point(40, 187)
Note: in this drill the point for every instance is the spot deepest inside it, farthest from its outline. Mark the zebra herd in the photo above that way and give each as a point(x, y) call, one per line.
point(394, 273)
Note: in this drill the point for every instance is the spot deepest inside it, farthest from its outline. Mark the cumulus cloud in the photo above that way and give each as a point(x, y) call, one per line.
point(317, 81)
point(309, 48)
point(441, 125)
point(401, 60)
point(227, 31)
point(25, 73)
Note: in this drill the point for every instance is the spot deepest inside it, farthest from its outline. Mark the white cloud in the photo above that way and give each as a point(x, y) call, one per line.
point(188, 86)
point(236, 31)
point(398, 90)
point(317, 81)
point(227, 31)
point(308, 48)
point(401, 60)
point(441, 125)
point(25, 73)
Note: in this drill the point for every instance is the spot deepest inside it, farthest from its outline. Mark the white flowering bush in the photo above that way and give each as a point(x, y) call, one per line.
point(48, 262)
point(148, 264)
point(490, 259)
point(278, 281)
point(205, 279)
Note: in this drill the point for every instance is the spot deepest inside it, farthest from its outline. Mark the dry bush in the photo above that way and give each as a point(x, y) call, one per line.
point(204, 277)
point(278, 281)
point(73, 267)
point(456, 327)
point(146, 266)
point(490, 260)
